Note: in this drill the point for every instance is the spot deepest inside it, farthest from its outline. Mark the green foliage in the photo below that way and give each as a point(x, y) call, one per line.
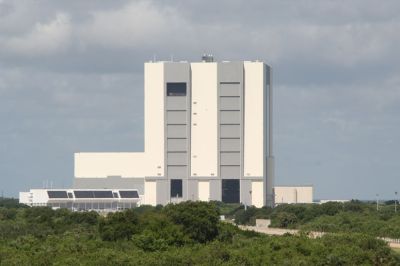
point(11, 203)
point(159, 232)
point(119, 225)
point(90, 218)
point(245, 217)
point(7, 213)
point(189, 234)
point(351, 217)
point(199, 220)
point(285, 220)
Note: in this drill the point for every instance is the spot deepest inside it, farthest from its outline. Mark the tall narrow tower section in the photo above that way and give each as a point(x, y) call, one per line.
point(208, 131)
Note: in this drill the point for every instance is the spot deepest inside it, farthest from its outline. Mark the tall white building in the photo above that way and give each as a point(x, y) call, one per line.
point(208, 136)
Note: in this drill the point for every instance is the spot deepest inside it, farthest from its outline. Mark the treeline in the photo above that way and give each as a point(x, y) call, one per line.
point(188, 233)
point(349, 217)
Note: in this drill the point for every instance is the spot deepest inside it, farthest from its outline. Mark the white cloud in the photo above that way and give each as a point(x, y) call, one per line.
point(137, 25)
point(44, 38)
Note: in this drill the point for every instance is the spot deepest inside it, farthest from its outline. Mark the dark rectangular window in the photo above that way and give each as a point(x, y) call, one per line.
point(176, 89)
point(176, 188)
point(85, 194)
point(70, 195)
point(230, 191)
point(103, 194)
point(57, 194)
point(126, 194)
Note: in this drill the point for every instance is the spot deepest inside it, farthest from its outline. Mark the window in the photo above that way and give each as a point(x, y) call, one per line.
point(176, 188)
point(129, 194)
point(176, 89)
point(103, 194)
point(60, 194)
point(230, 191)
point(88, 194)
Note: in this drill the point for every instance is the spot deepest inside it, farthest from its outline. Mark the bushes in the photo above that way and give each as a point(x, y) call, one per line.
point(183, 234)
point(285, 220)
point(89, 218)
point(7, 213)
point(159, 232)
point(353, 216)
point(11, 203)
point(199, 220)
point(176, 224)
point(119, 225)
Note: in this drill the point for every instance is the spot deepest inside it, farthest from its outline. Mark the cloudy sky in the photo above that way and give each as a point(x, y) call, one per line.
point(71, 79)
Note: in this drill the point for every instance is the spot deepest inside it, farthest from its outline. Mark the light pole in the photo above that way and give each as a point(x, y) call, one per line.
point(377, 202)
point(251, 200)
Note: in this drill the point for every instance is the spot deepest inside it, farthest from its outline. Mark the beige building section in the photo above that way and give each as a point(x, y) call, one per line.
point(257, 194)
point(204, 190)
point(150, 195)
point(134, 164)
point(154, 118)
point(254, 158)
point(204, 128)
point(289, 195)
point(124, 164)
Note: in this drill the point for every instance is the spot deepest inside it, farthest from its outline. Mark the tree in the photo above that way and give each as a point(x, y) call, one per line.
point(119, 225)
point(285, 219)
point(199, 220)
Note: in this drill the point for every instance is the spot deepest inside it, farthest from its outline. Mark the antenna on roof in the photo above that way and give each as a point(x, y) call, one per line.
point(207, 58)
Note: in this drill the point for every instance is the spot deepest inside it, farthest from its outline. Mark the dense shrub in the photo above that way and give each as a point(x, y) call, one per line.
point(7, 213)
point(285, 220)
point(191, 234)
point(199, 220)
point(119, 225)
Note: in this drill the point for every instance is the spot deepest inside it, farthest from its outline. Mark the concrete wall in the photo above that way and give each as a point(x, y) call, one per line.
point(154, 118)
point(204, 190)
point(287, 194)
point(102, 165)
point(254, 134)
point(257, 194)
point(25, 198)
point(150, 197)
point(204, 142)
point(112, 182)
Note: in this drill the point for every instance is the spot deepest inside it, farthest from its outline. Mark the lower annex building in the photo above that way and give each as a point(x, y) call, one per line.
point(208, 136)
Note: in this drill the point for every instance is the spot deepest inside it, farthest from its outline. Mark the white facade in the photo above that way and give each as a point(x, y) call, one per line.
point(204, 126)
point(208, 136)
point(204, 190)
point(102, 165)
point(82, 199)
point(290, 195)
point(254, 119)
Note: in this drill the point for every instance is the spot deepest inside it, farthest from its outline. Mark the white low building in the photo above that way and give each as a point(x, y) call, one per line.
point(293, 194)
point(82, 199)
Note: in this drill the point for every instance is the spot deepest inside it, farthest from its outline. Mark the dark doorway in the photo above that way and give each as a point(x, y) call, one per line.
point(230, 191)
point(176, 188)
